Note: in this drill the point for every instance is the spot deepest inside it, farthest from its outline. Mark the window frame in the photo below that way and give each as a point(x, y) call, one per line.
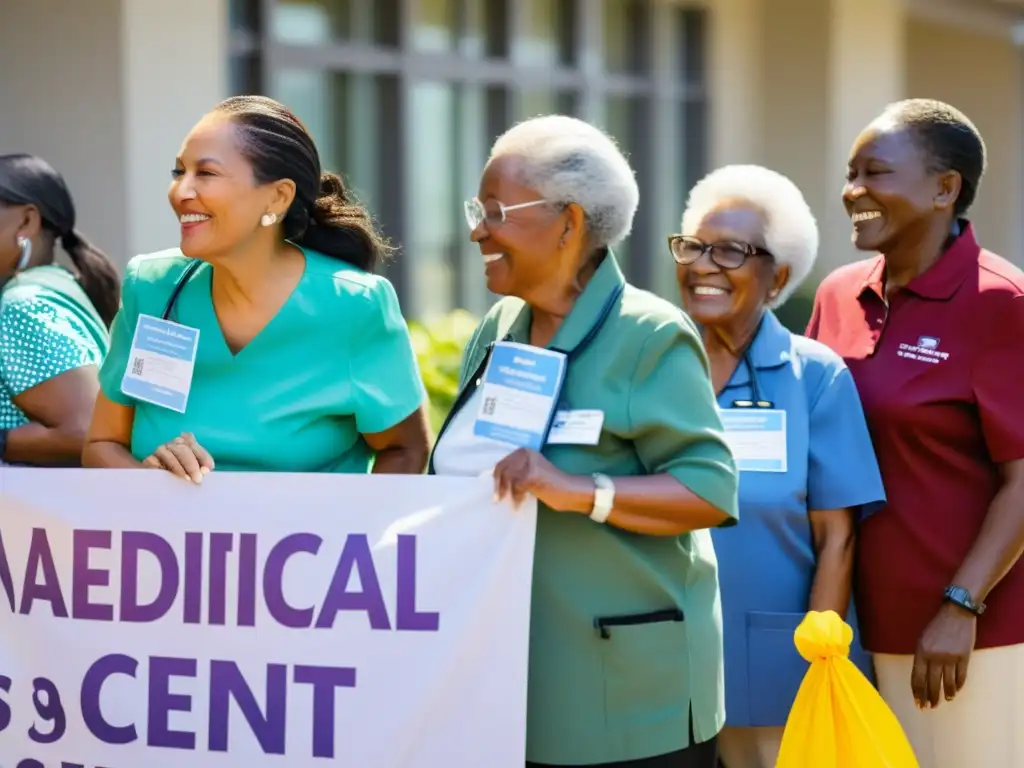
point(668, 153)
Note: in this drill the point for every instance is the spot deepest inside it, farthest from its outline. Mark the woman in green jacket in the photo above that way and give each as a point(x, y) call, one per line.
point(625, 635)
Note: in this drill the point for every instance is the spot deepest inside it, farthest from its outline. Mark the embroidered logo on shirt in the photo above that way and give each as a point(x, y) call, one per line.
point(926, 350)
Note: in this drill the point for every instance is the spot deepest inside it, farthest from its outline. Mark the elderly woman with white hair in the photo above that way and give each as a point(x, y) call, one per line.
point(625, 664)
point(799, 438)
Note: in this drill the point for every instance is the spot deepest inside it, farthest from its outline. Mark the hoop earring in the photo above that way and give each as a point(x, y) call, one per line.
point(26, 253)
point(268, 219)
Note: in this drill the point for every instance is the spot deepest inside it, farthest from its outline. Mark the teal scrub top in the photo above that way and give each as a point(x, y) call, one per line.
point(334, 363)
point(48, 326)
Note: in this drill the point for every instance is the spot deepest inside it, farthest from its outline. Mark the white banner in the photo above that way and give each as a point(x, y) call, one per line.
point(261, 620)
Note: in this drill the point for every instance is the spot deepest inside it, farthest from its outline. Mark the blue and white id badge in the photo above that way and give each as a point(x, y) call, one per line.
point(757, 438)
point(160, 364)
point(519, 393)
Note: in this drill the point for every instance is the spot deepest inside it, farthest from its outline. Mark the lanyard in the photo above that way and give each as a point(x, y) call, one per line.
point(561, 404)
point(757, 401)
point(755, 387)
point(570, 355)
point(179, 285)
point(602, 316)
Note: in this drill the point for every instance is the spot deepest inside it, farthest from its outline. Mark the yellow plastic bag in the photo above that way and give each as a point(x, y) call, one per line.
point(838, 719)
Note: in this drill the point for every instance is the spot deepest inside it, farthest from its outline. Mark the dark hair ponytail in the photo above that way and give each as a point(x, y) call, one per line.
point(323, 216)
point(96, 274)
point(30, 180)
point(339, 226)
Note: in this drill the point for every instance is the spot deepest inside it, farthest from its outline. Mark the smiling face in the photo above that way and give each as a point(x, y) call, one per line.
point(535, 246)
point(214, 193)
point(714, 296)
point(891, 193)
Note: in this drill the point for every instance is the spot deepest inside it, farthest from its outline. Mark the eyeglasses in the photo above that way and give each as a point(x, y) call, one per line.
point(726, 255)
point(493, 213)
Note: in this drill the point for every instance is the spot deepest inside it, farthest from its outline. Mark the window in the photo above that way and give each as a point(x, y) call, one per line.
point(351, 117)
point(435, 234)
point(326, 22)
point(244, 66)
point(625, 119)
point(436, 26)
point(546, 102)
point(626, 38)
point(487, 24)
point(549, 38)
point(405, 97)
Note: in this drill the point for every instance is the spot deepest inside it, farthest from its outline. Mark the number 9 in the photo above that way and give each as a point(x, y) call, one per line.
point(50, 710)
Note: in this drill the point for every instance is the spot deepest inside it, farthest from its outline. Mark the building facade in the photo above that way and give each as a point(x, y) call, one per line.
point(405, 96)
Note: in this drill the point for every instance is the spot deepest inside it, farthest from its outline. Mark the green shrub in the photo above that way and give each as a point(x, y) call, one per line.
point(439, 345)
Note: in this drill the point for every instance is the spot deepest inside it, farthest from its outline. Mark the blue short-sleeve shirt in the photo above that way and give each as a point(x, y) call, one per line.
point(767, 562)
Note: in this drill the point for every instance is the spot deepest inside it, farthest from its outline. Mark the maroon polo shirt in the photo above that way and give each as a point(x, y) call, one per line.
point(941, 376)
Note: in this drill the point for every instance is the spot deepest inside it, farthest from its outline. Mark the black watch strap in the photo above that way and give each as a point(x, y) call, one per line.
point(961, 597)
point(3, 444)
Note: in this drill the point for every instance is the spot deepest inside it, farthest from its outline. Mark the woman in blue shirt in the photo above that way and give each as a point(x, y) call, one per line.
point(797, 430)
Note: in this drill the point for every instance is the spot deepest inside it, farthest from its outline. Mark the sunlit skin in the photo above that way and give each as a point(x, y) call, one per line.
point(910, 207)
point(545, 260)
point(888, 173)
point(59, 408)
point(18, 221)
point(212, 178)
point(729, 322)
point(256, 270)
point(542, 248)
point(255, 273)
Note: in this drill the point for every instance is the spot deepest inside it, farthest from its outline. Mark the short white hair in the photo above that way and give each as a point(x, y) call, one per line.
point(791, 232)
point(569, 161)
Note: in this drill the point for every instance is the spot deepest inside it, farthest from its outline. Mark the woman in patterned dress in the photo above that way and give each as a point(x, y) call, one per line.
point(53, 322)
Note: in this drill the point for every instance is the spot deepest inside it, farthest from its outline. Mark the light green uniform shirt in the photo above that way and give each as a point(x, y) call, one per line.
point(592, 699)
point(335, 362)
point(48, 326)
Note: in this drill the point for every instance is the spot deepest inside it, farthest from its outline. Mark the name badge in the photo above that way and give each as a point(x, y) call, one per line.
point(518, 394)
point(576, 428)
point(160, 363)
point(757, 438)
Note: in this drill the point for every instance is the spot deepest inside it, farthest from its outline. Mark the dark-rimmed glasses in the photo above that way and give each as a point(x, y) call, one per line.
point(725, 255)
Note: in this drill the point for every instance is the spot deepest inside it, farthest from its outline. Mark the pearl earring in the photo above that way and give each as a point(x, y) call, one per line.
point(268, 219)
point(26, 253)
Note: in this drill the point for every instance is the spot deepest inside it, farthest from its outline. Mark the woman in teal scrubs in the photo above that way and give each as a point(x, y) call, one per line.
point(748, 241)
point(263, 343)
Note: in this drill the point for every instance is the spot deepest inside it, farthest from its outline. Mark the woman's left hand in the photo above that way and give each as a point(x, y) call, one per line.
point(524, 471)
point(943, 653)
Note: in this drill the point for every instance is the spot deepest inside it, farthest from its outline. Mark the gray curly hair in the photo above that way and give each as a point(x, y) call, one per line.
point(569, 161)
point(791, 232)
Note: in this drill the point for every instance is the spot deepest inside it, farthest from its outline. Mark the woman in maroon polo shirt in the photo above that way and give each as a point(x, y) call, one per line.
point(933, 331)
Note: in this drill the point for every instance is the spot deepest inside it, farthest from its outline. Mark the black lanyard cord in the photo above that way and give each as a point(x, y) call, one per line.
point(180, 285)
point(755, 387)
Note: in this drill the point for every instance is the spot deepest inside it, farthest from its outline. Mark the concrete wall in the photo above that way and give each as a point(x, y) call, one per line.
point(61, 97)
point(105, 90)
point(980, 74)
point(794, 83)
